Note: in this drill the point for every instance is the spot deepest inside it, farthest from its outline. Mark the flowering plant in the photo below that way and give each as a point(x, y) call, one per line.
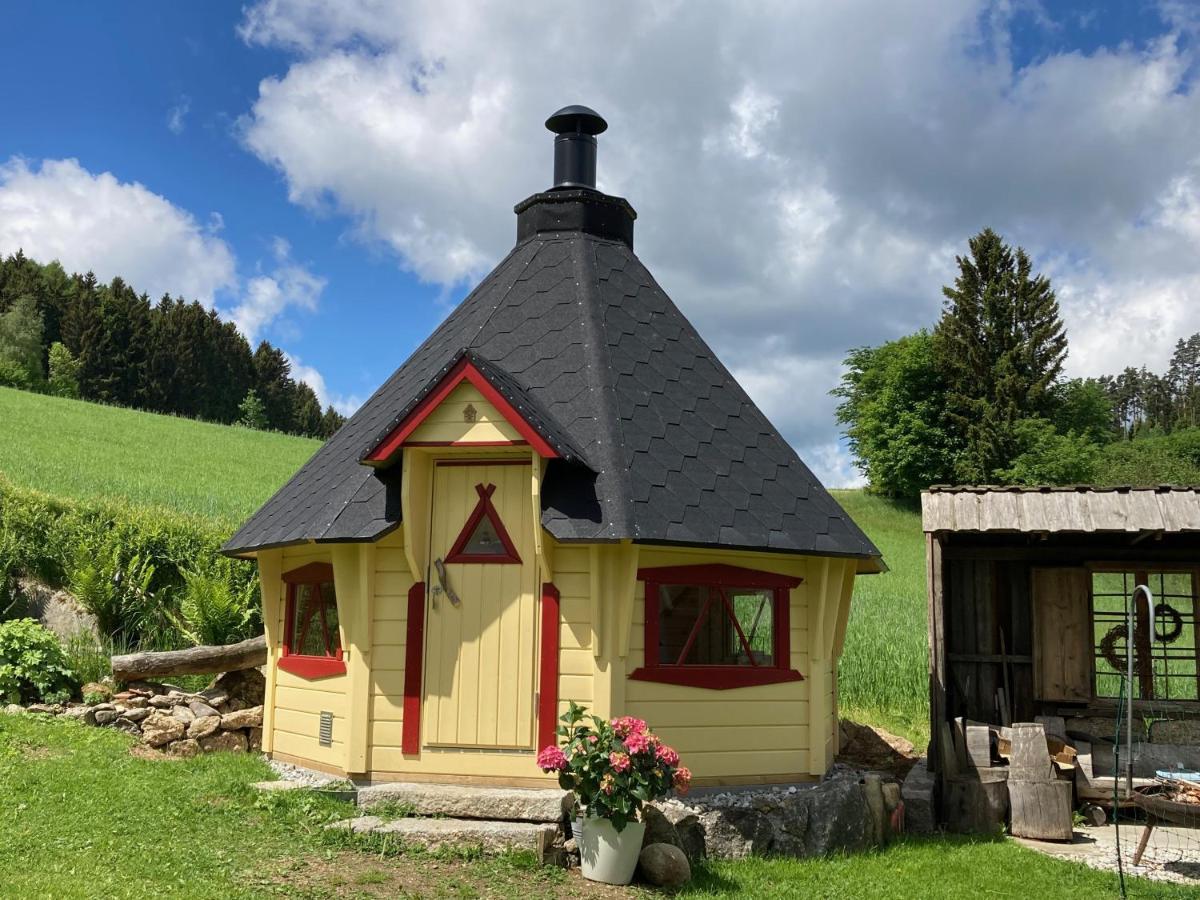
point(614, 768)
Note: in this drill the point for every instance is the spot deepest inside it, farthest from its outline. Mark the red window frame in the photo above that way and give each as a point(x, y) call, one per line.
point(309, 666)
point(484, 508)
point(719, 576)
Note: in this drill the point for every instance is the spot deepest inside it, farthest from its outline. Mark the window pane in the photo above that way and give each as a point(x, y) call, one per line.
point(315, 621)
point(484, 540)
point(695, 627)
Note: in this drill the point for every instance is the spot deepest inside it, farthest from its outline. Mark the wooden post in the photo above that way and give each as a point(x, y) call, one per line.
point(937, 647)
point(354, 574)
point(270, 577)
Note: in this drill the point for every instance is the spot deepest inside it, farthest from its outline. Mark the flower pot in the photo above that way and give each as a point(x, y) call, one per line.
point(607, 855)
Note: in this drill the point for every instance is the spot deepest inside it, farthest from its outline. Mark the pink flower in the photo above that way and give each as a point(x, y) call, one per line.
point(627, 725)
point(683, 778)
point(551, 759)
point(619, 761)
point(638, 743)
point(667, 755)
point(593, 739)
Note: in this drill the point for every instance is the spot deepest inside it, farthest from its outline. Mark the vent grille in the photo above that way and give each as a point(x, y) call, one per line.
point(325, 734)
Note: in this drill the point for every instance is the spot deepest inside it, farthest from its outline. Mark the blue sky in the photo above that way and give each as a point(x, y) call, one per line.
point(336, 176)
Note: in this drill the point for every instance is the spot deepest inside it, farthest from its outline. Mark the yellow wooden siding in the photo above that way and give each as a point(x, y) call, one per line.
point(447, 422)
point(299, 702)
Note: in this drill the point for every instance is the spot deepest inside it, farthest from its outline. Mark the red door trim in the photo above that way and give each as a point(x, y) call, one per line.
point(483, 509)
point(410, 741)
point(463, 370)
point(548, 678)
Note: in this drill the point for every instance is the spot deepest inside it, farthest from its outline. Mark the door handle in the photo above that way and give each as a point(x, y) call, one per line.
point(444, 582)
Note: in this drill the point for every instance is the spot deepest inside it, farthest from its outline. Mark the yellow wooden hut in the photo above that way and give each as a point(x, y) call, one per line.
point(561, 496)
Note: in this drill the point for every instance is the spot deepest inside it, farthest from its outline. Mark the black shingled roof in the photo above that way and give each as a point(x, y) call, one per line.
point(659, 442)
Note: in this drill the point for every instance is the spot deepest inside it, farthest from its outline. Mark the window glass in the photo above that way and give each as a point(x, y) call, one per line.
point(710, 626)
point(484, 541)
point(1165, 656)
point(315, 620)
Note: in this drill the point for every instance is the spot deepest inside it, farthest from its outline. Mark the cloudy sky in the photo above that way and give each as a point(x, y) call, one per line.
point(335, 177)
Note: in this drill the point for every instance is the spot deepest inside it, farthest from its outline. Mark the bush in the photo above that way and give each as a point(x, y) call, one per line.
point(1151, 459)
point(91, 659)
point(213, 611)
point(33, 667)
point(126, 563)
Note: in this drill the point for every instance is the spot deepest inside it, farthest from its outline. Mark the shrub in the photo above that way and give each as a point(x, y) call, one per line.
point(214, 611)
point(33, 666)
point(64, 372)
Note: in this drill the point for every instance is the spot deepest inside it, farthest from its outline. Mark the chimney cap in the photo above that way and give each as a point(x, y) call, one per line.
point(576, 120)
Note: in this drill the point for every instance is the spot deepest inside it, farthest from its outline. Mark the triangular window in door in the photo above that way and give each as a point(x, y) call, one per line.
point(484, 538)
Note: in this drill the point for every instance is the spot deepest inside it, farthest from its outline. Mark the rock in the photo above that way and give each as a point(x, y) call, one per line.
point(95, 692)
point(106, 716)
point(14, 709)
point(245, 718)
point(1175, 731)
point(254, 738)
point(161, 701)
point(100, 707)
point(203, 726)
point(84, 714)
point(187, 748)
point(183, 714)
point(247, 685)
point(224, 740)
point(138, 703)
point(736, 833)
point(838, 818)
point(49, 709)
point(659, 829)
point(891, 795)
point(664, 865)
point(917, 794)
point(127, 726)
point(57, 610)
point(235, 704)
point(146, 688)
point(466, 802)
point(200, 709)
point(672, 822)
point(214, 696)
point(135, 714)
point(158, 729)
point(123, 696)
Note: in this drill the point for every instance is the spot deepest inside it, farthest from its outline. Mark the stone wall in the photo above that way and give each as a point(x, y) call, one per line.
point(227, 715)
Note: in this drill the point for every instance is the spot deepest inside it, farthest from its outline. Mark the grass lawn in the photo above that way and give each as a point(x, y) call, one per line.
point(883, 675)
point(83, 450)
point(82, 817)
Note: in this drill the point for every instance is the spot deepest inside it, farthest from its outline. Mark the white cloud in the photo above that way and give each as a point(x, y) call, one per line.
point(177, 114)
point(804, 173)
point(347, 405)
point(60, 210)
point(266, 297)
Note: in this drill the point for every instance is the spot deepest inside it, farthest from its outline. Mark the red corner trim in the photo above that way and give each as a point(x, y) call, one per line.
point(314, 666)
point(410, 739)
point(548, 678)
point(718, 575)
point(462, 370)
point(483, 508)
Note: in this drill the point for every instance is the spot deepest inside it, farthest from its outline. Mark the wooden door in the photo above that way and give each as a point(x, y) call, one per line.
point(1062, 641)
point(481, 633)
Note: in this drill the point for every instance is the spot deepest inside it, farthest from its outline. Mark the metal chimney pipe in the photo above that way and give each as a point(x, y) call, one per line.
point(575, 129)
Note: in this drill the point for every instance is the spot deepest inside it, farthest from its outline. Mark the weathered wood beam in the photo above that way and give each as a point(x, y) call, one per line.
point(248, 654)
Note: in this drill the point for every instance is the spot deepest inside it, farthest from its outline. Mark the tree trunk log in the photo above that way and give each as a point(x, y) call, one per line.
point(248, 654)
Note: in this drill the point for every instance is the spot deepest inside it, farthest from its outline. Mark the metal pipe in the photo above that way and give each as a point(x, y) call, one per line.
point(1129, 642)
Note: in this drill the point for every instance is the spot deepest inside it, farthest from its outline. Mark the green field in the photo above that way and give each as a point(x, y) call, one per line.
point(80, 816)
point(84, 450)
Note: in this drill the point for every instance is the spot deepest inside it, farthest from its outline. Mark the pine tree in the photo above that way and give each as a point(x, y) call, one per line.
point(1000, 345)
point(331, 421)
point(274, 385)
point(253, 415)
point(64, 371)
point(306, 415)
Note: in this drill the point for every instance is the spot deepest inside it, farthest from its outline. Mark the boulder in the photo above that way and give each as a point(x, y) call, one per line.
point(49, 709)
point(664, 865)
point(254, 738)
point(203, 726)
point(106, 716)
point(920, 817)
point(14, 709)
point(243, 718)
point(224, 740)
point(183, 714)
point(84, 714)
point(234, 704)
point(838, 818)
point(187, 748)
point(214, 696)
point(736, 833)
point(200, 709)
point(671, 822)
point(159, 728)
point(135, 713)
point(95, 692)
point(162, 701)
point(136, 702)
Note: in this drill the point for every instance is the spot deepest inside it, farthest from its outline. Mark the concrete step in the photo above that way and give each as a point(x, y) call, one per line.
point(465, 802)
point(492, 837)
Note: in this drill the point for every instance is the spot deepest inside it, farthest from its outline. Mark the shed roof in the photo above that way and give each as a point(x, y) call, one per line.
point(1049, 510)
point(664, 444)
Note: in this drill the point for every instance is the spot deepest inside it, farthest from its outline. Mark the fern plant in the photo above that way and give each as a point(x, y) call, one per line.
point(212, 611)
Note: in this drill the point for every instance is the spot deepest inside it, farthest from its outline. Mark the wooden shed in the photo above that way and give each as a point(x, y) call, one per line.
point(1028, 596)
point(561, 496)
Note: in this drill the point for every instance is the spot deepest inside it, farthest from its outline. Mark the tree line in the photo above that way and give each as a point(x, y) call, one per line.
point(980, 398)
point(73, 336)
